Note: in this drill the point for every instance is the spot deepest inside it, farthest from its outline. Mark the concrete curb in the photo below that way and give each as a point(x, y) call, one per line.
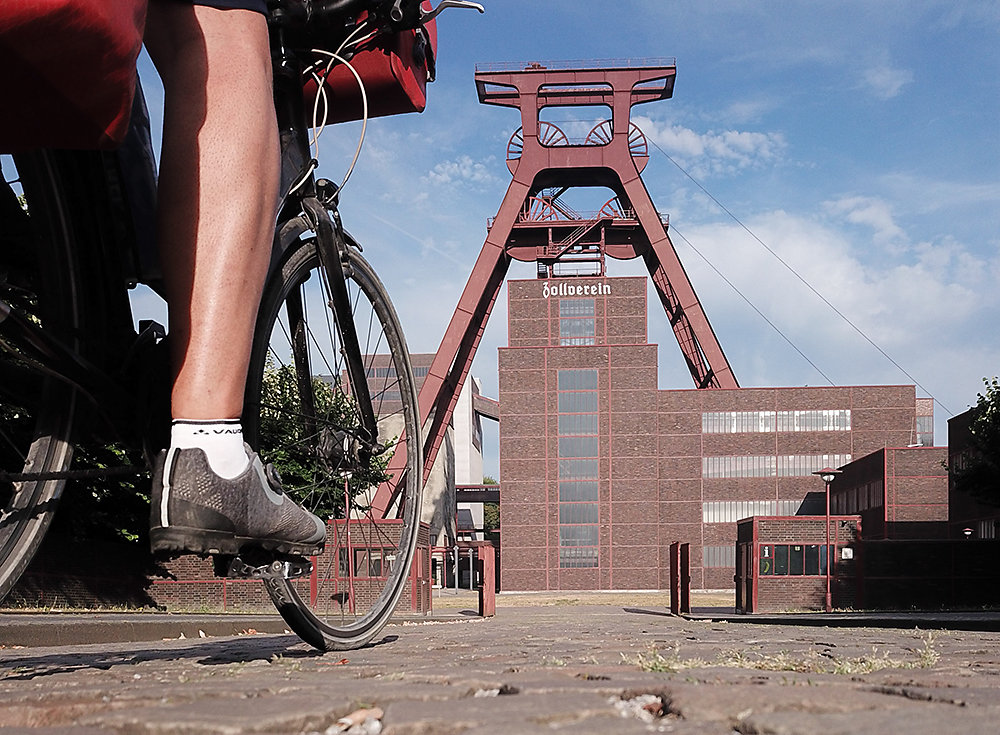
point(983, 621)
point(30, 630)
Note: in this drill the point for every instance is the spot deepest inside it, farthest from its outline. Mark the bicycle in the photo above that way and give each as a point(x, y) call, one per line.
point(330, 394)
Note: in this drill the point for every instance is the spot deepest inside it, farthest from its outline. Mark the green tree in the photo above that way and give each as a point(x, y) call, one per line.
point(491, 516)
point(317, 480)
point(110, 508)
point(979, 472)
point(491, 511)
point(97, 509)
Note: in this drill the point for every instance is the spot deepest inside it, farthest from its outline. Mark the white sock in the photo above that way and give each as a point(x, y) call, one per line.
point(222, 442)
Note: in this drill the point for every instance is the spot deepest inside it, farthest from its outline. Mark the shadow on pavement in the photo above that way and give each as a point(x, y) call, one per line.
point(207, 653)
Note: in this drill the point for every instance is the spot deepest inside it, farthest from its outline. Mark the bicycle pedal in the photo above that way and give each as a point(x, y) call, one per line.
point(289, 567)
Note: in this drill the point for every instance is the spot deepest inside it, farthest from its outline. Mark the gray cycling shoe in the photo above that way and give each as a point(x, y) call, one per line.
point(195, 510)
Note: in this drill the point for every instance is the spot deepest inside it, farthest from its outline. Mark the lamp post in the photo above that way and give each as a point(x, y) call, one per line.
point(827, 475)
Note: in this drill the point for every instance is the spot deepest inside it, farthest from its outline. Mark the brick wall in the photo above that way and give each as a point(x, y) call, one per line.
point(913, 492)
point(79, 574)
point(188, 583)
point(930, 574)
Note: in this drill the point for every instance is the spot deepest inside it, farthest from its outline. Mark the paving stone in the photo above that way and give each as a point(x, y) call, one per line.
point(548, 669)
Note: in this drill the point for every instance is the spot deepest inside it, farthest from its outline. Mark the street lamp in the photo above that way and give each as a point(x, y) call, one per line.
point(827, 475)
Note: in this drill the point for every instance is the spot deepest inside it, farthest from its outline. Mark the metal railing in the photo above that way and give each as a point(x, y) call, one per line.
point(624, 63)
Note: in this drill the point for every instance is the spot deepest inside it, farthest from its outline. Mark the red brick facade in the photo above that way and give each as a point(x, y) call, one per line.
point(658, 475)
point(769, 587)
point(900, 493)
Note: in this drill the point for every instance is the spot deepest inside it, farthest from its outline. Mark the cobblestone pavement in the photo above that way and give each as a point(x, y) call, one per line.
point(573, 669)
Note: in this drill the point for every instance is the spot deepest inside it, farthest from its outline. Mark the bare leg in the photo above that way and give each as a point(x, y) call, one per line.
point(217, 195)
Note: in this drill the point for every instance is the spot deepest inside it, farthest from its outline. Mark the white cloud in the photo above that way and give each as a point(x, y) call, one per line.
point(869, 211)
point(928, 308)
point(463, 170)
point(713, 152)
point(884, 81)
point(747, 110)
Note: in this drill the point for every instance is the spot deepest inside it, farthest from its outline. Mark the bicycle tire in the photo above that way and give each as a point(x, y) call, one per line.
point(36, 431)
point(336, 608)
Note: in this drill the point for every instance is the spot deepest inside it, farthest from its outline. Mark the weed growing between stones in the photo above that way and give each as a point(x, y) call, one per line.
point(812, 662)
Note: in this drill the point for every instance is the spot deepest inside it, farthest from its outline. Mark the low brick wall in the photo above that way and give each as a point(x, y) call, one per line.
point(68, 573)
point(929, 574)
point(75, 574)
point(188, 583)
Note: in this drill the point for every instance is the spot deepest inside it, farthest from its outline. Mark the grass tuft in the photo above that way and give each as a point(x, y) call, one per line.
point(812, 662)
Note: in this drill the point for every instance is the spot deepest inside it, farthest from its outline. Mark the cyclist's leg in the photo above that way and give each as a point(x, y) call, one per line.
point(217, 197)
point(217, 193)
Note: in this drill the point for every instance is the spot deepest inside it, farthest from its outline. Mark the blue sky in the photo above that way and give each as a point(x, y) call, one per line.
point(859, 141)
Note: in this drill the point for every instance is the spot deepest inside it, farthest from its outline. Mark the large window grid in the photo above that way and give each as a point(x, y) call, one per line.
point(857, 499)
point(731, 511)
point(756, 422)
point(390, 372)
point(577, 323)
point(578, 466)
point(768, 465)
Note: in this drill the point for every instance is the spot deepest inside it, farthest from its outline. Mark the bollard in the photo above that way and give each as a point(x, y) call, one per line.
point(488, 581)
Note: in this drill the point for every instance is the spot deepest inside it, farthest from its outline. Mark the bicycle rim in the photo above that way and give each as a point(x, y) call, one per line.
point(303, 416)
point(36, 416)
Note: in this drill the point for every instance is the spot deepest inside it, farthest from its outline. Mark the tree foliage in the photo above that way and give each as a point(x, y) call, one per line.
point(978, 473)
point(105, 508)
point(491, 511)
point(491, 516)
point(96, 509)
point(313, 479)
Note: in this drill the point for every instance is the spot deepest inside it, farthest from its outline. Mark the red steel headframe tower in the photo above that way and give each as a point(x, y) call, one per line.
point(533, 225)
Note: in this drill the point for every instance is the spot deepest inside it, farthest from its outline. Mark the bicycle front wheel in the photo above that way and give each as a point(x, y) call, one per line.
point(303, 414)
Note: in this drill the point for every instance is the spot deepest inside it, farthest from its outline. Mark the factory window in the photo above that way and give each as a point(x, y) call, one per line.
point(743, 465)
point(730, 511)
point(577, 325)
point(719, 556)
point(571, 491)
point(583, 424)
point(756, 422)
point(578, 465)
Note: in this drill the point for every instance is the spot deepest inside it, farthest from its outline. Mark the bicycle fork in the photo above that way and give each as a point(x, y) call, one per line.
point(329, 244)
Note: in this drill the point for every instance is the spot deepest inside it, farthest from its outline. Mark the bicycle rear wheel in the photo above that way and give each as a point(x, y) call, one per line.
point(39, 278)
point(304, 416)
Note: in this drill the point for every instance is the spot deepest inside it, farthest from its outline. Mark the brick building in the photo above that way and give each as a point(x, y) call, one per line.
point(968, 516)
point(782, 563)
point(899, 492)
point(601, 470)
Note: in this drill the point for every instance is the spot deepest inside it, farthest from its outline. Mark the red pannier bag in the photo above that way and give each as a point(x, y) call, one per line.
point(395, 74)
point(67, 71)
